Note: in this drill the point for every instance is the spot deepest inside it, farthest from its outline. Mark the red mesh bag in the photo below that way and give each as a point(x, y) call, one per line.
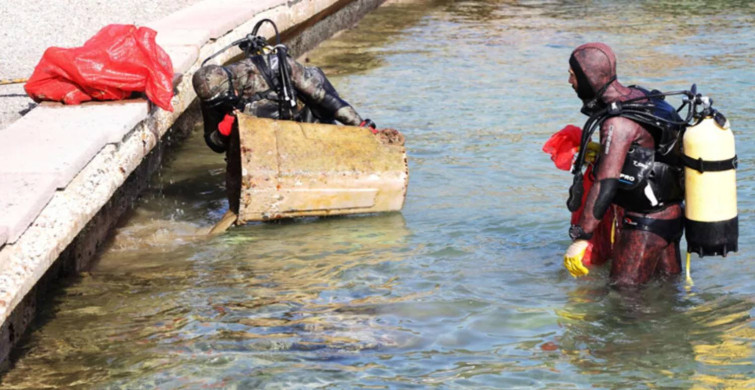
point(563, 145)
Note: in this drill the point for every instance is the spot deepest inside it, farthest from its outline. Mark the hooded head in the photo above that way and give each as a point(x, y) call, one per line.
point(213, 85)
point(594, 67)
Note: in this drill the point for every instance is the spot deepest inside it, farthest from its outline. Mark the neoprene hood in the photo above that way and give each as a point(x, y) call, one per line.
point(594, 66)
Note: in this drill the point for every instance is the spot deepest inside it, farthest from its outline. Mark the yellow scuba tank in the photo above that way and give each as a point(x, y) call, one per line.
point(710, 162)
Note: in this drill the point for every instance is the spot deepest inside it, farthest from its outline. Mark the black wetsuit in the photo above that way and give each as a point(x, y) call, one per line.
point(648, 243)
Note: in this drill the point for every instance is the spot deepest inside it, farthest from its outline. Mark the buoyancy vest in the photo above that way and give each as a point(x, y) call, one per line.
point(652, 179)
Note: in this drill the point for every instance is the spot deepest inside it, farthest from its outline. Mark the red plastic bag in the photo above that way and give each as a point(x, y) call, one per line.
point(118, 60)
point(563, 145)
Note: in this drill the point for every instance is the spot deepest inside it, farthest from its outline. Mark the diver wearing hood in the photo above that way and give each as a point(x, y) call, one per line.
point(636, 169)
point(268, 83)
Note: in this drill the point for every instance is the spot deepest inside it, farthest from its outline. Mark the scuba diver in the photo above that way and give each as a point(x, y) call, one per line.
point(637, 169)
point(648, 155)
point(268, 83)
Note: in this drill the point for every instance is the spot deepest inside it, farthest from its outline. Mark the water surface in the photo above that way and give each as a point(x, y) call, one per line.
point(465, 287)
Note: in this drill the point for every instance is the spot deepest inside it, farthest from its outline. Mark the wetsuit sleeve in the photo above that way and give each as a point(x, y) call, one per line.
point(211, 117)
point(616, 137)
point(318, 93)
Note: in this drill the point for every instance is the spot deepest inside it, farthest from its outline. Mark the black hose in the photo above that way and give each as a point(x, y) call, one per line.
point(257, 26)
point(246, 43)
point(289, 93)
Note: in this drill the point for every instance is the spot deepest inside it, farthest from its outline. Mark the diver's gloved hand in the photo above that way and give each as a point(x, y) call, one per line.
point(573, 258)
point(216, 141)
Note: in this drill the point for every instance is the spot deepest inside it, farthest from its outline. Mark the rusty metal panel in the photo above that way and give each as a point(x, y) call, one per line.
point(291, 169)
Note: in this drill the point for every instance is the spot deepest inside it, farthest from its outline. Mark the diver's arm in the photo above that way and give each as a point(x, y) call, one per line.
point(211, 117)
point(213, 111)
point(319, 94)
point(616, 137)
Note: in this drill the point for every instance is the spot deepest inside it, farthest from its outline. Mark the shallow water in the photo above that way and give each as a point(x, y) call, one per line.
point(465, 287)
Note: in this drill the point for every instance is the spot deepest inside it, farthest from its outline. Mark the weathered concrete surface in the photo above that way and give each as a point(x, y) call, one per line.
point(68, 232)
point(58, 139)
point(22, 196)
point(291, 169)
point(51, 145)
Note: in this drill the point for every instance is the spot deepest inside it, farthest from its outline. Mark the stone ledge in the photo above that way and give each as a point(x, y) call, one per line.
point(65, 140)
point(182, 57)
point(216, 17)
point(22, 197)
point(60, 147)
point(180, 36)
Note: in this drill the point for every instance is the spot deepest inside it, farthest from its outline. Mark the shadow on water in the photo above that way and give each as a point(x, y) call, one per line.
point(698, 7)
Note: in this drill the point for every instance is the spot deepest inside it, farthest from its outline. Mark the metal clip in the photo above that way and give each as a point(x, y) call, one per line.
point(614, 109)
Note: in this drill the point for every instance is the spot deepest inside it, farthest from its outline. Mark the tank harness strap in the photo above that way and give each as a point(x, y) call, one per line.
point(669, 229)
point(289, 93)
point(265, 71)
point(710, 166)
point(236, 100)
point(279, 81)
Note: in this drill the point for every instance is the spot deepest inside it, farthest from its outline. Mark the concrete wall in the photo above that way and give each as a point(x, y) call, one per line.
point(102, 154)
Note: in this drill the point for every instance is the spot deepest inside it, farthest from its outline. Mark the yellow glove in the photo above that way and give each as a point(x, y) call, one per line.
point(593, 149)
point(573, 258)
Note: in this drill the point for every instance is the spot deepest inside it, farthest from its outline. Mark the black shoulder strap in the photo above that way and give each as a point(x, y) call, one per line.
point(265, 71)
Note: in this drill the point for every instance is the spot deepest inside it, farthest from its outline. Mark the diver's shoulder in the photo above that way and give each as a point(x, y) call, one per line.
point(618, 122)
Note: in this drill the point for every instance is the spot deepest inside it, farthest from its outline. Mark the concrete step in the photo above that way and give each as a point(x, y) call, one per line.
point(182, 57)
point(214, 18)
point(63, 140)
point(22, 197)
